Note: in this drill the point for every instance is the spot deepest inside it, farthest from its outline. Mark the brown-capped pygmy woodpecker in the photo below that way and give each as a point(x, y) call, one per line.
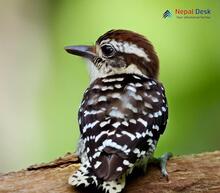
point(123, 112)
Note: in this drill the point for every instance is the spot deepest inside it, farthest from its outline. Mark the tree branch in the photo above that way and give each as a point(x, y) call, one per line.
point(191, 173)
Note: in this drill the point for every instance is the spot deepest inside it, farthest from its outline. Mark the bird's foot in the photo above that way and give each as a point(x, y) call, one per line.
point(162, 162)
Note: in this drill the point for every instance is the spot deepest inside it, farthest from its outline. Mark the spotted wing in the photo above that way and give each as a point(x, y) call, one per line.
point(121, 119)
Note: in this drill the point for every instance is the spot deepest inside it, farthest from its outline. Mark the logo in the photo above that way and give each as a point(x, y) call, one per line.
point(167, 14)
point(192, 13)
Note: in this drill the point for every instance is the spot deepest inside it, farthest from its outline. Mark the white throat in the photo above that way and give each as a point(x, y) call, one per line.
point(94, 73)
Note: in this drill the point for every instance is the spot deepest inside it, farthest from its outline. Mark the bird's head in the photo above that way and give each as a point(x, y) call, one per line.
point(119, 52)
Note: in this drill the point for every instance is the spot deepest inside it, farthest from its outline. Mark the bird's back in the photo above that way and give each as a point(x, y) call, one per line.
point(121, 118)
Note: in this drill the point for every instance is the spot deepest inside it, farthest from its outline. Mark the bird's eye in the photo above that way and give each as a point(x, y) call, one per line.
point(108, 50)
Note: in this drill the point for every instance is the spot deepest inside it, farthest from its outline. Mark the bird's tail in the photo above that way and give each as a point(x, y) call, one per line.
point(84, 176)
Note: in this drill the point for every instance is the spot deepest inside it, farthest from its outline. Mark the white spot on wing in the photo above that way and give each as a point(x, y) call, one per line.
point(126, 162)
point(158, 93)
point(131, 107)
point(116, 113)
point(150, 115)
point(133, 121)
point(157, 114)
point(97, 154)
point(90, 101)
point(119, 169)
point(112, 79)
point(148, 105)
point(116, 95)
point(111, 133)
point(104, 88)
point(96, 87)
point(150, 141)
point(136, 77)
point(90, 125)
point(97, 164)
point(125, 123)
point(131, 88)
point(164, 109)
point(142, 121)
point(136, 151)
point(149, 133)
point(100, 135)
point(118, 135)
point(132, 137)
point(138, 135)
point(93, 112)
point(138, 84)
point(155, 127)
point(136, 97)
point(116, 124)
point(110, 143)
point(104, 123)
point(154, 99)
point(102, 98)
point(117, 85)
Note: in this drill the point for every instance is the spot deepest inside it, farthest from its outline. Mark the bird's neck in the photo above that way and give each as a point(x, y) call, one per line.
point(101, 73)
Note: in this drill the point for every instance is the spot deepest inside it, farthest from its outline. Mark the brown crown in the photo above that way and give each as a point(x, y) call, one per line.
point(151, 68)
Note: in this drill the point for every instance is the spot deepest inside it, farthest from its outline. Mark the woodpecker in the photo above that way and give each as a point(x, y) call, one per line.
point(123, 112)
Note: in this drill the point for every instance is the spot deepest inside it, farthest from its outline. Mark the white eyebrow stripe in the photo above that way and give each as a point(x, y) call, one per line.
point(127, 47)
point(104, 41)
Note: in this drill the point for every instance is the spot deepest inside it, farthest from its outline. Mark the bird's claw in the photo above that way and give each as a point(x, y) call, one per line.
point(162, 162)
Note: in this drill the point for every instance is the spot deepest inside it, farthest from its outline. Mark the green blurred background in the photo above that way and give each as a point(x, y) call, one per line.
point(41, 86)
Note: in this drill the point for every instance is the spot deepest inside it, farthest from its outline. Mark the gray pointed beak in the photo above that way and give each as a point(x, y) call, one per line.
point(83, 51)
